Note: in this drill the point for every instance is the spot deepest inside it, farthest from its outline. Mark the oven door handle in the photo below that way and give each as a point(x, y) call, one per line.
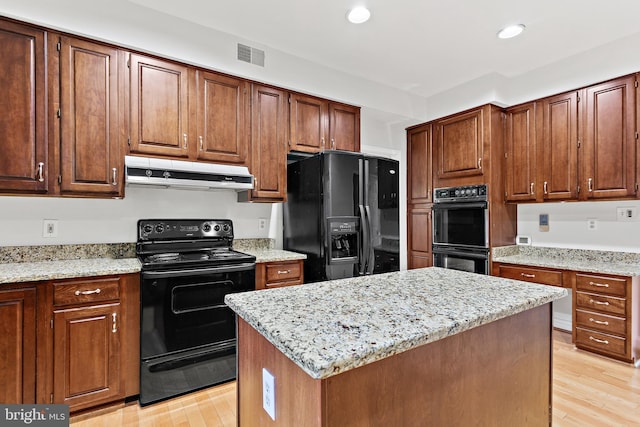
point(473, 254)
point(459, 205)
point(198, 271)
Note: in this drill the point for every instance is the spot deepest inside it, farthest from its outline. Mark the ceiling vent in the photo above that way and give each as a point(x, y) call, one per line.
point(250, 54)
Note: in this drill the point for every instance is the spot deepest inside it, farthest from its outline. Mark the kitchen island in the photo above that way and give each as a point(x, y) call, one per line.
point(420, 347)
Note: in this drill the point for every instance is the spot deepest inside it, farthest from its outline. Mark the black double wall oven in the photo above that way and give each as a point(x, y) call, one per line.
point(461, 228)
point(188, 334)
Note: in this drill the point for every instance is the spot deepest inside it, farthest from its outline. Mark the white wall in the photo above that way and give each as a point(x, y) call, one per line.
point(568, 225)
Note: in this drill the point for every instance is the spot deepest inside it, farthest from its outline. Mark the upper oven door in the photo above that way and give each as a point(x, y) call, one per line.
point(461, 224)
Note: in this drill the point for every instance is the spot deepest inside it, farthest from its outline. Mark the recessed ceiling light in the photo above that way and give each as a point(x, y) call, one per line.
point(510, 31)
point(358, 15)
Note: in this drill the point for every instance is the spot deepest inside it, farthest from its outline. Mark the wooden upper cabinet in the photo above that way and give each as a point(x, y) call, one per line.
point(309, 124)
point(608, 140)
point(344, 127)
point(269, 124)
point(159, 115)
point(419, 176)
point(91, 160)
point(23, 123)
point(558, 141)
point(222, 118)
point(520, 153)
point(458, 145)
point(18, 345)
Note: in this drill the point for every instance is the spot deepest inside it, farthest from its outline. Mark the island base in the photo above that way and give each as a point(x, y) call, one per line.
point(495, 374)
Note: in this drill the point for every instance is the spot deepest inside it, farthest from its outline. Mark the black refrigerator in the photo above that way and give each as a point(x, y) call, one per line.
point(342, 212)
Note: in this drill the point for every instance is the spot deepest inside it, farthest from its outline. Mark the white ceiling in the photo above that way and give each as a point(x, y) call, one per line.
point(421, 46)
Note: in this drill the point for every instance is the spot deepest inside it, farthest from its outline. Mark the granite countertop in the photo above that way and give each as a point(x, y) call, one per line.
point(64, 269)
point(271, 255)
point(592, 261)
point(330, 327)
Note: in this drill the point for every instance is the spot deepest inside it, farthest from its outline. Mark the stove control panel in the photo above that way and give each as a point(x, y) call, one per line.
point(174, 229)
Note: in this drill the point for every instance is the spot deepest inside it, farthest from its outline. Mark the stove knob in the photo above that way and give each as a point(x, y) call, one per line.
point(159, 228)
point(216, 227)
point(225, 227)
point(206, 227)
point(147, 228)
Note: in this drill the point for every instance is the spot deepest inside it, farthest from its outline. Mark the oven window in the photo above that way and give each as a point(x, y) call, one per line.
point(201, 296)
point(460, 226)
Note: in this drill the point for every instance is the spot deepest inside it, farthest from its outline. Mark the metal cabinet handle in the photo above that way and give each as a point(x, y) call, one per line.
point(531, 188)
point(599, 285)
point(95, 291)
point(530, 276)
point(590, 184)
point(201, 143)
point(599, 302)
point(333, 143)
point(114, 177)
point(40, 172)
point(184, 141)
point(480, 163)
point(599, 322)
point(545, 188)
point(597, 340)
point(322, 142)
point(114, 326)
point(284, 272)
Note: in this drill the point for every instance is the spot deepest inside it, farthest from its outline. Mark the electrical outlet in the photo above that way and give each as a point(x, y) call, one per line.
point(50, 228)
point(626, 214)
point(262, 223)
point(269, 393)
point(592, 224)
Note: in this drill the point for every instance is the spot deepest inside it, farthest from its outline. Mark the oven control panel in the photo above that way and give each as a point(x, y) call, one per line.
point(173, 229)
point(453, 194)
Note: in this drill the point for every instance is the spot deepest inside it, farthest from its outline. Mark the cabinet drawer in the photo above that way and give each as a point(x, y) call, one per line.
point(528, 274)
point(601, 322)
point(85, 291)
point(283, 272)
point(603, 303)
point(603, 342)
point(601, 284)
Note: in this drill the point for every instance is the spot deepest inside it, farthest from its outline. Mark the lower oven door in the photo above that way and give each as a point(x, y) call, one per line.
point(463, 259)
point(188, 334)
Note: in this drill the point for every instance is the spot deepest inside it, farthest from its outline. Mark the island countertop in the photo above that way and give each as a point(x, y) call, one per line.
point(331, 327)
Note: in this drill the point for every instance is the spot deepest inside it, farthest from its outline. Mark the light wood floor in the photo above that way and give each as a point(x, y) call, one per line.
point(588, 390)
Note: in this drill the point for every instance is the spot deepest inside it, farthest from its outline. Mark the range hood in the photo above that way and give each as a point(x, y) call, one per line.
point(183, 174)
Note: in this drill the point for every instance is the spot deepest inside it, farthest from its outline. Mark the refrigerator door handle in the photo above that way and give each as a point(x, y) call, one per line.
point(364, 250)
point(370, 254)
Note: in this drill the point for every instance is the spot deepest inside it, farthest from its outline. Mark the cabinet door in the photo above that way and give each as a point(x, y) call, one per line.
point(18, 346)
point(23, 128)
point(609, 139)
point(90, 151)
point(419, 177)
point(308, 123)
point(458, 145)
point(159, 115)
point(86, 355)
point(222, 118)
point(269, 143)
point(520, 153)
point(559, 147)
point(419, 238)
point(344, 127)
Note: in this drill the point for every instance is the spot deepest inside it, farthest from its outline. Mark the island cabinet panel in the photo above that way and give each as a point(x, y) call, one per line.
point(159, 111)
point(91, 160)
point(521, 153)
point(472, 378)
point(222, 118)
point(269, 127)
point(23, 124)
point(18, 345)
point(608, 140)
point(558, 145)
point(309, 124)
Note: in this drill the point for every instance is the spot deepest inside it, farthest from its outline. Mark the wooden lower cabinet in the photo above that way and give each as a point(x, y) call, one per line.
point(279, 273)
point(18, 344)
point(605, 320)
point(419, 237)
